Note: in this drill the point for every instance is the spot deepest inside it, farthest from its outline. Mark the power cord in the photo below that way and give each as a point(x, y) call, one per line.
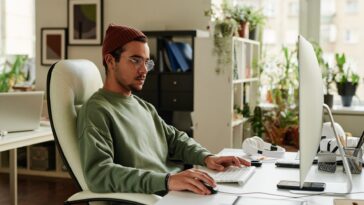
point(285, 196)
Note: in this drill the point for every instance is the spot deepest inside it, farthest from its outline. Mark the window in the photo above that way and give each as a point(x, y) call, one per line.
point(352, 6)
point(291, 37)
point(328, 8)
point(328, 33)
point(17, 27)
point(2, 11)
point(269, 8)
point(340, 34)
point(350, 36)
point(293, 8)
point(269, 37)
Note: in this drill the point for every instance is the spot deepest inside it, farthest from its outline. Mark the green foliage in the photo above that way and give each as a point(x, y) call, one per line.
point(257, 122)
point(281, 78)
point(327, 72)
point(255, 17)
point(12, 73)
point(226, 20)
point(345, 75)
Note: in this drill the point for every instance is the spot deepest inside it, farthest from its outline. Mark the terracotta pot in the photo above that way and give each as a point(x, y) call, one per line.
point(244, 29)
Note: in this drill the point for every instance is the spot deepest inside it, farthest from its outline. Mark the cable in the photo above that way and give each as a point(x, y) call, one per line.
point(285, 196)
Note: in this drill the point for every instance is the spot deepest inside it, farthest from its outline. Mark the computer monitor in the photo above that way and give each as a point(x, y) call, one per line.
point(311, 106)
point(311, 99)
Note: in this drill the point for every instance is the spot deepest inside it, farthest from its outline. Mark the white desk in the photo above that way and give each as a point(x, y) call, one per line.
point(15, 140)
point(265, 180)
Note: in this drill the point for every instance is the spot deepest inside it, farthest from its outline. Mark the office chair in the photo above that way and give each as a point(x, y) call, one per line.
point(70, 83)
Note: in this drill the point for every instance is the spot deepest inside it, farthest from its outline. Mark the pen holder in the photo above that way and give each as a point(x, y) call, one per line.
point(354, 157)
point(326, 161)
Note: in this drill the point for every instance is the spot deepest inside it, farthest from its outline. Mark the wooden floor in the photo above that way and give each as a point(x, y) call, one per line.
point(37, 190)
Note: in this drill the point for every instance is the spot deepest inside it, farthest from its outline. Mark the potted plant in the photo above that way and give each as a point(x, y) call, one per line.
point(327, 75)
point(257, 21)
point(256, 121)
point(346, 80)
point(243, 17)
point(10, 74)
point(249, 20)
point(280, 122)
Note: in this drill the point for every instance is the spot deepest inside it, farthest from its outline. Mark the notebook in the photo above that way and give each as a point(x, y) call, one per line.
point(20, 111)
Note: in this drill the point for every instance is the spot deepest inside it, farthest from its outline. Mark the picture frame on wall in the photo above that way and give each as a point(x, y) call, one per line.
point(85, 22)
point(53, 45)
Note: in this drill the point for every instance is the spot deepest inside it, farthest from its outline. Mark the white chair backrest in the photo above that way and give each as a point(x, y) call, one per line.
point(70, 84)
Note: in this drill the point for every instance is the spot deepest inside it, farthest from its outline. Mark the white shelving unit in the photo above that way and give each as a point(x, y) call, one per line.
point(216, 126)
point(58, 171)
point(24, 141)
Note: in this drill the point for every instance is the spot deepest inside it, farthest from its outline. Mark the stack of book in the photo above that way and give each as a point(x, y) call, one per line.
point(177, 56)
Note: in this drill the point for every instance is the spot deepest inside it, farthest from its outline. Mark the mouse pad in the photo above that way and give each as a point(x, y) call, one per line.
point(243, 200)
point(348, 202)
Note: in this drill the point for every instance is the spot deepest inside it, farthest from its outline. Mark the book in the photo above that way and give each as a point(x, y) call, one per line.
point(167, 62)
point(171, 58)
point(176, 57)
point(186, 51)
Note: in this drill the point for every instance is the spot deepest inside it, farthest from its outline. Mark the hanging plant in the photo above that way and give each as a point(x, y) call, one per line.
point(224, 30)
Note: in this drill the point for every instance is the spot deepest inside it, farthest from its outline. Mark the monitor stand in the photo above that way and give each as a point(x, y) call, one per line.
point(333, 188)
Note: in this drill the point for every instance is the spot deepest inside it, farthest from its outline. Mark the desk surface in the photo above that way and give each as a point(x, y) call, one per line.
point(20, 139)
point(264, 182)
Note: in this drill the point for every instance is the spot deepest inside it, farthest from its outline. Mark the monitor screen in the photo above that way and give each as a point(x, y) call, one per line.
point(310, 105)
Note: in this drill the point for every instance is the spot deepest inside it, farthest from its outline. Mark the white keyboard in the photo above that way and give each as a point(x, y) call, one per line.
point(234, 175)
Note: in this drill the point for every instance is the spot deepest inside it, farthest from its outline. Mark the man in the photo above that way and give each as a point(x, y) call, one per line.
point(125, 146)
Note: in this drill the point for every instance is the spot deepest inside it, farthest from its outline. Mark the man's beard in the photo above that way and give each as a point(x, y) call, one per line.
point(131, 87)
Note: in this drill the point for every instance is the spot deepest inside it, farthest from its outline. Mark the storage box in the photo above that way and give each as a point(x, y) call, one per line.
point(42, 157)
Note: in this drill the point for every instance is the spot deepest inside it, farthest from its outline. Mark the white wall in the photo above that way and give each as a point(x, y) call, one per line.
point(142, 14)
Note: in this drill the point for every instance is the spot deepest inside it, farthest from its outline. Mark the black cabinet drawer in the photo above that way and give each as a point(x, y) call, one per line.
point(151, 83)
point(177, 82)
point(151, 97)
point(182, 101)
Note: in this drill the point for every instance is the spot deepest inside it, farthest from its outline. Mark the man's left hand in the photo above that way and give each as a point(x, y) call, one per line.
point(219, 163)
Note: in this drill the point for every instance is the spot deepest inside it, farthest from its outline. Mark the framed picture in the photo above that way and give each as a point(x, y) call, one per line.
point(85, 19)
point(53, 45)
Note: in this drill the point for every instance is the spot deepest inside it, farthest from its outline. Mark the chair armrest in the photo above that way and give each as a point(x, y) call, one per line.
point(135, 198)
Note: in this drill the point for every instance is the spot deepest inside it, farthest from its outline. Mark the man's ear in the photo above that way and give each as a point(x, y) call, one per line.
point(110, 61)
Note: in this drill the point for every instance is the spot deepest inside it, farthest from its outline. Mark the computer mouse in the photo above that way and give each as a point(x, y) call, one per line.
point(212, 189)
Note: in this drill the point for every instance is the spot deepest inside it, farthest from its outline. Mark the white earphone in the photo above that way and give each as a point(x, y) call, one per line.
point(255, 145)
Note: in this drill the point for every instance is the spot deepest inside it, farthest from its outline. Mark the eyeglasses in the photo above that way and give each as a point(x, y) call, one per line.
point(139, 62)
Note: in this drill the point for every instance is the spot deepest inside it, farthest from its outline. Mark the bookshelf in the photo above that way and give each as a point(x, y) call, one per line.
point(216, 123)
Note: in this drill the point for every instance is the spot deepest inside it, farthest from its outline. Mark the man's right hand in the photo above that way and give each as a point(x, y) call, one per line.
point(192, 180)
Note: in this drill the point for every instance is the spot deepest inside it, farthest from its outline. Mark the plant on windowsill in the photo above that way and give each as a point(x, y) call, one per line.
point(281, 79)
point(10, 74)
point(346, 80)
point(327, 75)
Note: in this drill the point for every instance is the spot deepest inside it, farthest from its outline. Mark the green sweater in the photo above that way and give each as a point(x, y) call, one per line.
point(126, 147)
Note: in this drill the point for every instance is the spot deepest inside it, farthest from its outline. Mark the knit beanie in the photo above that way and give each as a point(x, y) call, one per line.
point(117, 36)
